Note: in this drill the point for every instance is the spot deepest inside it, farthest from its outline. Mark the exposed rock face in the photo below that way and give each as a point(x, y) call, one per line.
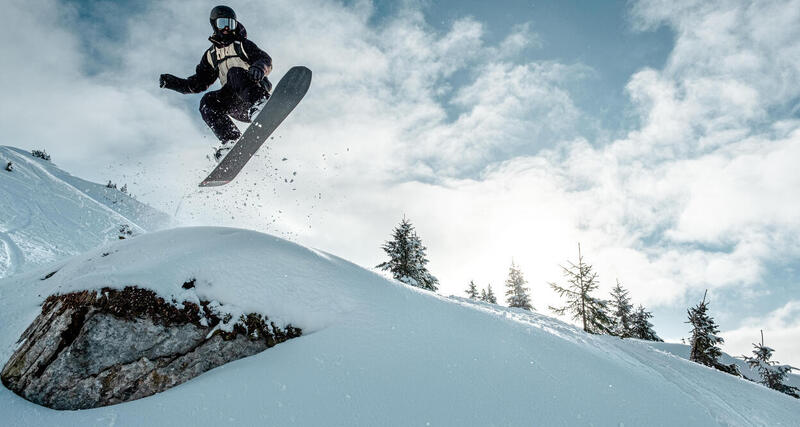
point(87, 350)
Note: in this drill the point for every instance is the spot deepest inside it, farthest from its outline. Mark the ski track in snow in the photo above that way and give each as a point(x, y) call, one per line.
point(15, 255)
point(638, 355)
point(695, 390)
point(48, 214)
point(83, 197)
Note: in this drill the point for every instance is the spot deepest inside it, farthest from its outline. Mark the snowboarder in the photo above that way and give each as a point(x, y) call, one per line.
point(242, 69)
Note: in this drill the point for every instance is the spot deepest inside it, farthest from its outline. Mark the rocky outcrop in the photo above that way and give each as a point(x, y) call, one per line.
point(91, 349)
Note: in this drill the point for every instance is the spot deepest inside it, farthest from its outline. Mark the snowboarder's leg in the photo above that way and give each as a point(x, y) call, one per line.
point(215, 107)
point(250, 94)
point(245, 88)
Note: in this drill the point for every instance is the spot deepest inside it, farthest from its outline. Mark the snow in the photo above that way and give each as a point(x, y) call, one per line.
point(375, 351)
point(683, 350)
point(48, 214)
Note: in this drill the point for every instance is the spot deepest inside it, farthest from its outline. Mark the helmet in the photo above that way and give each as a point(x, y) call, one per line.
point(222, 16)
point(222, 12)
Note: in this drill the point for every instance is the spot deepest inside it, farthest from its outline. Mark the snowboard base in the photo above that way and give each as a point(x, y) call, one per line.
point(287, 94)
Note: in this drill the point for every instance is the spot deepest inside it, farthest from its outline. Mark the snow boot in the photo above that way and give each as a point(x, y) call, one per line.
point(221, 150)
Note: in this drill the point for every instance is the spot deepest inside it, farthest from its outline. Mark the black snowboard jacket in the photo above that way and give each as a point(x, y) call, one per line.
point(208, 70)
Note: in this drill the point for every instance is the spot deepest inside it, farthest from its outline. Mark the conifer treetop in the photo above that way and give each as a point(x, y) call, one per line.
point(488, 295)
point(622, 312)
point(590, 311)
point(516, 292)
point(705, 338)
point(407, 259)
point(472, 290)
point(772, 373)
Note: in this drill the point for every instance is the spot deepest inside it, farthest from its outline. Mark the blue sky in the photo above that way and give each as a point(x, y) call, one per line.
point(596, 34)
point(661, 135)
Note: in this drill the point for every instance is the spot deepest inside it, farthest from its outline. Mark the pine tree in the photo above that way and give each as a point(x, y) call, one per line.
point(704, 338)
point(125, 231)
point(516, 292)
point(483, 295)
point(407, 258)
point(772, 374)
point(41, 154)
point(591, 311)
point(472, 290)
point(489, 295)
point(622, 312)
point(641, 327)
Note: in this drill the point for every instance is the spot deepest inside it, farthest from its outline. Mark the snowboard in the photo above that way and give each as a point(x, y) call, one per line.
point(287, 94)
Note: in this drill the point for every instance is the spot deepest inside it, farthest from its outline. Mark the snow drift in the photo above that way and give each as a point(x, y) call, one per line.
point(48, 214)
point(375, 352)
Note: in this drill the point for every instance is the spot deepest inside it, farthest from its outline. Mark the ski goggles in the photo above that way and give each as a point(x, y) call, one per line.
point(225, 22)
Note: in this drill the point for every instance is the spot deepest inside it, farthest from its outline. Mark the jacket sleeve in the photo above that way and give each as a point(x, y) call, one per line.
point(204, 76)
point(257, 57)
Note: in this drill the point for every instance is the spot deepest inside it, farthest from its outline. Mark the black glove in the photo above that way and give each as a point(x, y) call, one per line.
point(256, 73)
point(168, 81)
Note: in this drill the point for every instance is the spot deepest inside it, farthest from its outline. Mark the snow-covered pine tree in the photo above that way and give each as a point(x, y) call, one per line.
point(489, 295)
point(483, 295)
point(516, 292)
point(704, 339)
point(772, 374)
point(621, 312)
point(472, 290)
point(125, 231)
point(407, 258)
point(124, 188)
point(591, 311)
point(641, 327)
point(40, 154)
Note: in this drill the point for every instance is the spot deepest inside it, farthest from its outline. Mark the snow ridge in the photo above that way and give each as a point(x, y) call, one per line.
point(377, 352)
point(49, 214)
point(373, 352)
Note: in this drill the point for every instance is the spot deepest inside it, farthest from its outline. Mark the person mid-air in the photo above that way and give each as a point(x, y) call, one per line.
point(242, 69)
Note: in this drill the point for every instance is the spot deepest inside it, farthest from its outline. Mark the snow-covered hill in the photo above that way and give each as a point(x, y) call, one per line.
point(375, 352)
point(48, 214)
point(683, 350)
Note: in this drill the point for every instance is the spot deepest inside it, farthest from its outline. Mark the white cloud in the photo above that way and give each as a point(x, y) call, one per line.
point(521, 37)
point(781, 329)
point(752, 45)
point(497, 124)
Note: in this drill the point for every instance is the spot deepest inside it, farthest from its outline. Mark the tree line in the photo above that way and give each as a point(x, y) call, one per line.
point(614, 316)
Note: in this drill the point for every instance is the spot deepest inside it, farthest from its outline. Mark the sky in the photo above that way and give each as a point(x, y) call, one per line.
point(660, 135)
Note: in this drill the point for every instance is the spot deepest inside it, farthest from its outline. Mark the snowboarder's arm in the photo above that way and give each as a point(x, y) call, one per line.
point(204, 76)
point(257, 57)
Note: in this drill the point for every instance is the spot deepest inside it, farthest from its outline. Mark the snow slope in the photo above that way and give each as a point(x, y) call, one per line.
point(48, 214)
point(375, 352)
point(683, 350)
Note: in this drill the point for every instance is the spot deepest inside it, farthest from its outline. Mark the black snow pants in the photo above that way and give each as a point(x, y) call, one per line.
point(234, 99)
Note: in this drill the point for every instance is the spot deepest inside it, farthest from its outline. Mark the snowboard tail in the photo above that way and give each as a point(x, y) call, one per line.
point(287, 94)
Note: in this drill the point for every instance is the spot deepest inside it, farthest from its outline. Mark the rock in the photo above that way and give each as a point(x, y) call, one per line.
point(89, 349)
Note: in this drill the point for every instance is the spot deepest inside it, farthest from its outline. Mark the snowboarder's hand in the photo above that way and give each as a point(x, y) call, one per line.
point(256, 73)
point(168, 81)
